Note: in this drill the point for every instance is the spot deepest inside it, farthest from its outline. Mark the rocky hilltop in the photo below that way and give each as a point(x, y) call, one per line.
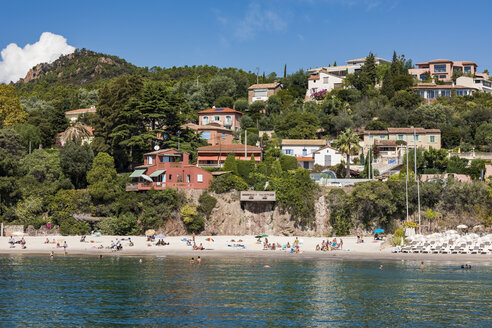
point(79, 68)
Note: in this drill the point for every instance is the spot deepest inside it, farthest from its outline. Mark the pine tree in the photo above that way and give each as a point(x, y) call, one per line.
point(369, 69)
point(395, 65)
point(285, 71)
point(388, 88)
point(335, 64)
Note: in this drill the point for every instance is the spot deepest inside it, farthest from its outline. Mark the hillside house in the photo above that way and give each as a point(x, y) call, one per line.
point(215, 156)
point(225, 117)
point(261, 92)
point(168, 168)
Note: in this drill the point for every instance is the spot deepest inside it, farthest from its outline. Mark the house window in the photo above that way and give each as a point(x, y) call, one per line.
point(467, 69)
point(149, 160)
point(304, 152)
point(440, 68)
point(371, 137)
point(431, 94)
point(423, 77)
point(170, 177)
point(206, 135)
point(228, 120)
point(188, 178)
point(442, 76)
point(399, 137)
point(163, 178)
point(458, 69)
point(313, 90)
point(432, 139)
point(199, 177)
point(287, 151)
point(223, 135)
point(260, 93)
point(325, 80)
point(216, 118)
point(205, 120)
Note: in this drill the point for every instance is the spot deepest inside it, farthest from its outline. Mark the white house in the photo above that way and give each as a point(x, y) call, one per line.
point(479, 83)
point(323, 81)
point(303, 149)
point(327, 156)
point(331, 77)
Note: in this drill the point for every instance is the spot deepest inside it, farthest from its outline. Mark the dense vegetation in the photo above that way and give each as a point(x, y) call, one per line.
point(41, 181)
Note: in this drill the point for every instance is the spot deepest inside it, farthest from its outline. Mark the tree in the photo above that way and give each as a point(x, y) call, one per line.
point(406, 99)
point(273, 105)
point(76, 133)
point(30, 135)
point(372, 204)
point(288, 162)
point(297, 125)
point(457, 165)
point(241, 105)
point(369, 69)
point(224, 101)
point(483, 135)
point(102, 179)
point(112, 100)
point(10, 108)
point(76, 161)
point(348, 144)
point(230, 163)
point(387, 89)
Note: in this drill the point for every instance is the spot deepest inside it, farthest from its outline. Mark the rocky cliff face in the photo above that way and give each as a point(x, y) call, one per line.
point(231, 217)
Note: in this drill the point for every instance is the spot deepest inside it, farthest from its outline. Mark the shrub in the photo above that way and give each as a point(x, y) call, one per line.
point(206, 203)
point(399, 233)
point(288, 162)
point(191, 218)
point(227, 182)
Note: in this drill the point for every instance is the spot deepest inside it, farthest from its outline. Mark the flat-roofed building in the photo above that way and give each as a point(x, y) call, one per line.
point(431, 91)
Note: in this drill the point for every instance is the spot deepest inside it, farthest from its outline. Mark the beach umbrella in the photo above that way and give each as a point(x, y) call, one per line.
point(261, 236)
point(160, 236)
point(379, 231)
point(478, 227)
point(209, 239)
point(462, 226)
point(150, 232)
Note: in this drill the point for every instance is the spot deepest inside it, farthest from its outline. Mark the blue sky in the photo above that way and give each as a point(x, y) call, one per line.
point(244, 34)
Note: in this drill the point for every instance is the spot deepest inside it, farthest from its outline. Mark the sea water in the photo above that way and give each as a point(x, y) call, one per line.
point(37, 291)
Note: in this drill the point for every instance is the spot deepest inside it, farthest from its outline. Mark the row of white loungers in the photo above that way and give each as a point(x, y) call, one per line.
point(448, 247)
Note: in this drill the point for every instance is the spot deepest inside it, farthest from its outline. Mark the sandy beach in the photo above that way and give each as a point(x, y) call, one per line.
point(225, 246)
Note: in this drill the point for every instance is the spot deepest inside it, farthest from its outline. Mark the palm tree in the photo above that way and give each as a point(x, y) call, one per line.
point(348, 144)
point(77, 133)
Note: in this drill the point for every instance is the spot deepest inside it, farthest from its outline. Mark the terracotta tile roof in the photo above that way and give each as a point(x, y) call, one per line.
point(81, 111)
point(314, 77)
point(439, 61)
point(385, 142)
point(162, 151)
point(229, 148)
point(327, 146)
point(410, 130)
point(401, 130)
point(198, 127)
point(265, 86)
point(219, 111)
point(303, 142)
point(305, 159)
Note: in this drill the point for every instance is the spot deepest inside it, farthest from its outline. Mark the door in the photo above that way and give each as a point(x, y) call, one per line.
point(327, 160)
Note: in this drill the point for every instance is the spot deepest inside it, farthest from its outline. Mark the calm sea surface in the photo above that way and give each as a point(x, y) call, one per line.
point(227, 292)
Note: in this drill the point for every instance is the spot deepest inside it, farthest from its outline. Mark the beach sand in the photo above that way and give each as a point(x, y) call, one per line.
point(369, 250)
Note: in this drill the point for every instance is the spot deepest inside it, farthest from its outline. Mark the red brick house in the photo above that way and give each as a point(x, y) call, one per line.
point(216, 155)
point(213, 133)
point(168, 168)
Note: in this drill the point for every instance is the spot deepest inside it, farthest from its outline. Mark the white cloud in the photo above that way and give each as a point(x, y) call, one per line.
point(16, 61)
point(258, 19)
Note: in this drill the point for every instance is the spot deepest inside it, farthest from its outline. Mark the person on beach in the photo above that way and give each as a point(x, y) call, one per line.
point(52, 254)
point(358, 237)
point(47, 241)
point(341, 243)
point(421, 266)
point(192, 260)
point(288, 245)
point(199, 260)
point(318, 248)
point(381, 267)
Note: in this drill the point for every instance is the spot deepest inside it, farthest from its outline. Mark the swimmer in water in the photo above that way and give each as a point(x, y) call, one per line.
point(198, 260)
point(52, 254)
point(381, 267)
point(266, 266)
point(421, 266)
point(192, 260)
point(140, 261)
